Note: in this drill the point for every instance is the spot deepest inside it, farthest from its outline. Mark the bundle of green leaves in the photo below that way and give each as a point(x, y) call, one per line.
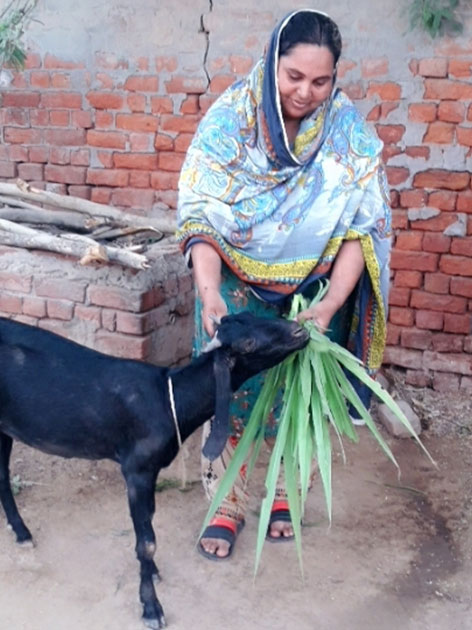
point(317, 396)
point(13, 20)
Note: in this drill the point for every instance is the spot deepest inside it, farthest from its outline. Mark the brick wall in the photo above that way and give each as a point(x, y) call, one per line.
point(116, 130)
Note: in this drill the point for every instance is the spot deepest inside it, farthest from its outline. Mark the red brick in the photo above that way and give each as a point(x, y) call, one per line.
point(464, 202)
point(435, 302)
point(16, 135)
point(101, 195)
point(70, 290)
point(34, 307)
point(137, 122)
point(30, 172)
point(374, 67)
point(65, 137)
point(462, 247)
point(54, 63)
point(440, 133)
point(60, 80)
point(17, 153)
point(20, 99)
point(125, 346)
point(90, 314)
point(418, 152)
point(163, 142)
point(404, 357)
point(190, 105)
point(188, 85)
point(429, 320)
point(437, 283)
point(390, 134)
point(104, 120)
point(220, 82)
point(17, 283)
point(393, 335)
point(447, 89)
point(39, 154)
point(139, 83)
point(82, 119)
point(400, 220)
point(133, 323)
point(374, 113)
point(143, 63)
point(410, 279)
point(39, 117)
point(446, 383)
point(106, 139)
point(164, 180)
point(401, 316)
point(458, 324)
point(107, 177)
point(79, 191)
point(59, 155)
point(116, 298)
point(8, 170)
point(409, 241)
point(207, 100)
point(344, 67)
point(80, 157)
point(464, 136)
point(10, 303)
point(32, 61)
point(460, 68)
point(466, 384)
point(399, 296)
point(105, 100)
point(436, 67)
point(461, 286)
point(447, 343)
point(456, 265)
point(60, 309)
point(105, 158)
point(59, 117)
point(441, 178)
point(162, 105)
point(443, 200)
point(136, 103)
point(385, 91)
point(394, 198)
point(397, 175)
point(414, 338)
point(61, 100)
point(179, 124)
point(387, 108)
point(413, 198)
point(389, 151)
point(65, 174)
point(109, 61)
point(468, 344)
point(133, 198)
point(16, 116)
point(182, 142)
point(414, 261)
point(422, 112)
point(434, 242)
point(449, 362)
point(135, 161)
point(141, 142)
point(418, 378)
point(139, 179)
point(167, 63)
point(451, 111)
point(170, 161)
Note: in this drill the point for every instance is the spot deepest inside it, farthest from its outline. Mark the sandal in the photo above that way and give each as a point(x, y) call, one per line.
point(279, 512)
point(224, 529)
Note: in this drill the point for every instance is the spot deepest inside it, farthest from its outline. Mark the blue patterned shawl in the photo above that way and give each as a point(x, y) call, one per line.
point(277, 214)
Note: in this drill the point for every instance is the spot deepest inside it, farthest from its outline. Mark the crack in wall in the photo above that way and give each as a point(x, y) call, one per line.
point(207, 37)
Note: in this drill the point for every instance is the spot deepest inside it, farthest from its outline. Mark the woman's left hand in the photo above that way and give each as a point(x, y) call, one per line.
point(320, 314)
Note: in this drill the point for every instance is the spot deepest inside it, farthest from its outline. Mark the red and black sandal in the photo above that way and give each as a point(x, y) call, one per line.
point(224, 529)
point(279, 512)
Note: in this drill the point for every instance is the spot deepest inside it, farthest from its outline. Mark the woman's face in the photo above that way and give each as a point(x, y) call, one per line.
point(305, 77)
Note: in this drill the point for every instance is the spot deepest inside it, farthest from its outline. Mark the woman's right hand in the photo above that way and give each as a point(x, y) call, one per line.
point(214, 308)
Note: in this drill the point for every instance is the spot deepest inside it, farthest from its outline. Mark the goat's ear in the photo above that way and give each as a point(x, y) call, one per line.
point(220, 424)
point(213, 344)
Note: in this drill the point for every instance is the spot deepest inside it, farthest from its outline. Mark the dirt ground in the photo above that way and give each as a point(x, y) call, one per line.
point(398, 553)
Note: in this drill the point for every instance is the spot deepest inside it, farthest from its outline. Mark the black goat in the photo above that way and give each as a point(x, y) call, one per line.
point(68, 400)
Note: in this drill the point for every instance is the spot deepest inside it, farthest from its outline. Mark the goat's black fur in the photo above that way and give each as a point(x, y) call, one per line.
point(68, 400)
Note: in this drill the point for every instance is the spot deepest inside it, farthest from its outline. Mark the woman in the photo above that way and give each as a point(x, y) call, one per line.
point(283, 185)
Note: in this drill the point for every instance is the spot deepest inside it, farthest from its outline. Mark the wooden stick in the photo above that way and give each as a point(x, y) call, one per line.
point(24, 191)
point(75, 245)
point(36, 214)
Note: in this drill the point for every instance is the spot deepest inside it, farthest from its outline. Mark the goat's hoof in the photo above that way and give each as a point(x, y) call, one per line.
point(155, 624)
point(26, 544)
point(156, 578)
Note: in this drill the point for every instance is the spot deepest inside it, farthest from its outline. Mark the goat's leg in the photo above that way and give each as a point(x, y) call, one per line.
point(6, 495)
point(141, 488)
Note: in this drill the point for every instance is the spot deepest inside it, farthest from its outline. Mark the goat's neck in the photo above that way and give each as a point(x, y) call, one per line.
point(194, 393)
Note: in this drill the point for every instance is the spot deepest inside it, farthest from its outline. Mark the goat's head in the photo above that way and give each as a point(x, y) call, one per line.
point(244, 346)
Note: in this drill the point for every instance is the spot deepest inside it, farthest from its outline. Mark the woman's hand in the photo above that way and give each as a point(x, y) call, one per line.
point(214, 308)
point(320, 314)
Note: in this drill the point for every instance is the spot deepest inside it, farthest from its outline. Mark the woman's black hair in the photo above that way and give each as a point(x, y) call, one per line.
point(309, 27)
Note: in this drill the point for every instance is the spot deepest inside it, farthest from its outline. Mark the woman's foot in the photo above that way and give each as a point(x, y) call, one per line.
point(218, 539)
point(280, 523)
